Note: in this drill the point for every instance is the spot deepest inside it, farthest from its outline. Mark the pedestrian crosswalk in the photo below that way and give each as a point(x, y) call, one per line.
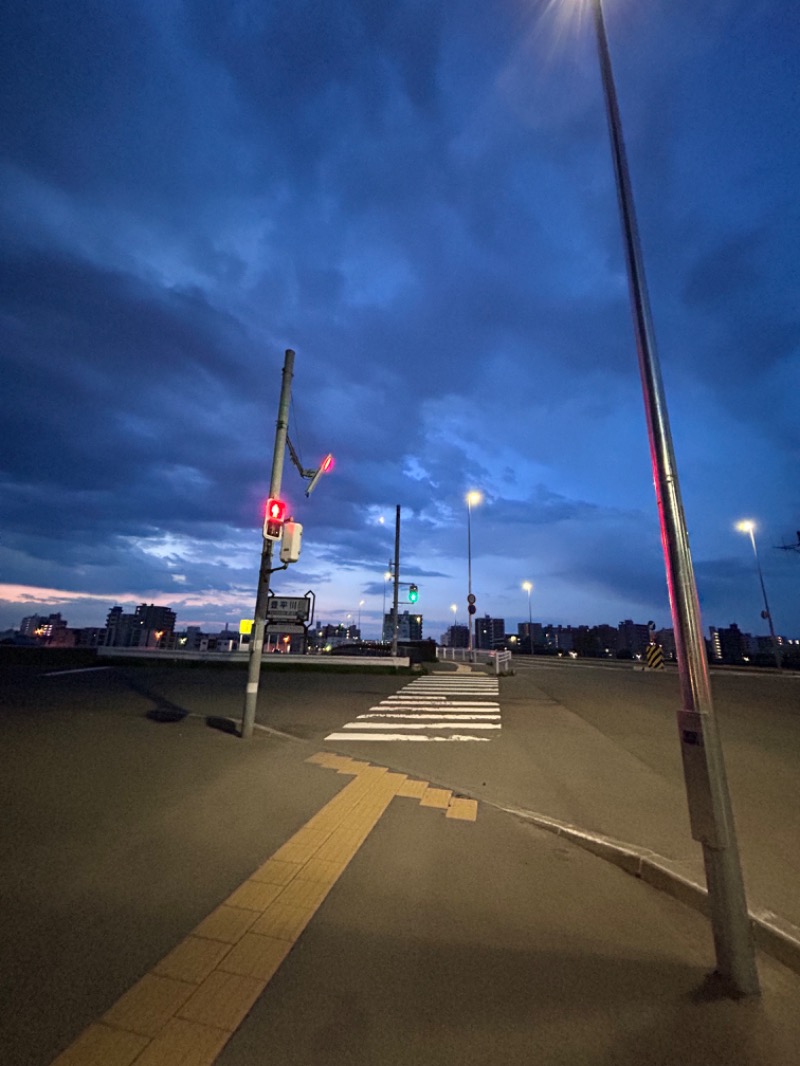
point(440, 707)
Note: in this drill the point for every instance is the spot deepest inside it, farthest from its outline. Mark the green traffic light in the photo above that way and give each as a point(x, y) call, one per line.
point(413, 593)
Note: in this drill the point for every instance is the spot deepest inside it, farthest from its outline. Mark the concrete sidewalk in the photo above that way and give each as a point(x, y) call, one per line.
point(172, 896)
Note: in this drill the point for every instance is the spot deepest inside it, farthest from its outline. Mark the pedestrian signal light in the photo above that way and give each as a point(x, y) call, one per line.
point(273, 519)
point(413, 593)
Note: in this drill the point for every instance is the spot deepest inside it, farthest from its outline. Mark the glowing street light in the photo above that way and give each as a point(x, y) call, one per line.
point(746, 526)
point(528, 586)
point(473, 497)
point(360, 605)
point(710, 809)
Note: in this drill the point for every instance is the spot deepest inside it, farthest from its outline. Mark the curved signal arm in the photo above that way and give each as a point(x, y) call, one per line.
point(312, 476)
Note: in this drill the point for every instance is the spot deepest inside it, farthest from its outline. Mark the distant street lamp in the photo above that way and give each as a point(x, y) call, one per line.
point(528, 586)
point(746, 526)
point(710, 809)
point(472, 497)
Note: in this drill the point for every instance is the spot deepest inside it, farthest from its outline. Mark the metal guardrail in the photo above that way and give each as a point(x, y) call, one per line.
point(175, 655)
point(501, 659)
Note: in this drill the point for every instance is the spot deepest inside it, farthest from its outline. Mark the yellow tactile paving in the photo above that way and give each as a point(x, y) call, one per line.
point(342, 845)
point(436, 797)
point(351, 766)
point(185, 1010)
point(301, 893)
point(256, 956)
point(323, 758)
point(184, 1043)
point(285, 920)
point(322, 871)
point(226, 923)
point(149, 1005)
point(193, 959)
point(464, 809)
point(311, 837)
point(412, 789)
point(254, 895)
point(292, 852)
point(277, 872)
point(100, 1045)
point(223, 1000)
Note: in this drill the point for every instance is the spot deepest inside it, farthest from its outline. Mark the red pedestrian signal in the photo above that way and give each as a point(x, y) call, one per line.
point(276, 510)
point(274, 517)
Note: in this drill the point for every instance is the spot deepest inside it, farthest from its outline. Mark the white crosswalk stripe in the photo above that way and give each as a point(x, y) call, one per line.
point(443, 708)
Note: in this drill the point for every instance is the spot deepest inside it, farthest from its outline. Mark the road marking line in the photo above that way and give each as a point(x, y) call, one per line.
point(191, 1003)
point(402, 736)
point(417, 725)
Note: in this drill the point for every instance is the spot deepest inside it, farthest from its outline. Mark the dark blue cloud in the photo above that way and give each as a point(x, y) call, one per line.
point(419, 199)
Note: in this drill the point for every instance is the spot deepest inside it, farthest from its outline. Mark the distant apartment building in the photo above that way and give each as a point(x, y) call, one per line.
point(729, 645)
point(489, 633)
point(634, 637)
point(149, 626)
point(529, 631)
point(666, 638)
point(409, 626)
point(456, 636)
point(47, 630)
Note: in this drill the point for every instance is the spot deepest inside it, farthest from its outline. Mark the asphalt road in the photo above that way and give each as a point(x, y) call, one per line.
point(132, 811)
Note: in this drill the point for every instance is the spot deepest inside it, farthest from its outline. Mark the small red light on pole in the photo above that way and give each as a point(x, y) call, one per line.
point(324, 467)
point(274, 516)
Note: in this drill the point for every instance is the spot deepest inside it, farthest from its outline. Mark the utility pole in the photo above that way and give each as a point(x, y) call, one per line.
point(395, 621)
point(710, 811)
point(265, 572)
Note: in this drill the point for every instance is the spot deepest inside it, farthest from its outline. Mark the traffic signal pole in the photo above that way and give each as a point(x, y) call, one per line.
point(265, 571)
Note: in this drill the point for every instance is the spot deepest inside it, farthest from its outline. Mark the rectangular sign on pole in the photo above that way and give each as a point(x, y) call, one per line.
point(289, 608)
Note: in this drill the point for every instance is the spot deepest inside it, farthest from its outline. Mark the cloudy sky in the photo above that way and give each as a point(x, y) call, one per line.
point(416, 197)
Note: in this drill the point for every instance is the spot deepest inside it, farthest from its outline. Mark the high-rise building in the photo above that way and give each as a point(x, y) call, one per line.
point(409, 626)
point(634, 637)
point(149, 626)
point(457, 636)
point(489, 633)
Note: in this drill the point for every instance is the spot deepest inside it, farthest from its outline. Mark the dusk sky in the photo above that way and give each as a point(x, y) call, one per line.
point(418, 198)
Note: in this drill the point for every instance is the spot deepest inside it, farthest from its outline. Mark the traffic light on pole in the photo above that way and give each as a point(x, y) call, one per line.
point(413, 593)
point(274, 516)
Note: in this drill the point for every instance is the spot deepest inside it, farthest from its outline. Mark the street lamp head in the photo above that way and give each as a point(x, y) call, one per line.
point(453, 608)
point(746, 526)
point(527, 585)
point(474, 497)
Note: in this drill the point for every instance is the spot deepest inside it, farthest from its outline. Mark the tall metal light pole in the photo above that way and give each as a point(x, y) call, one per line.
point(396, 591)
point(528, 586)
point(262, 593)
point(710, 810)
point(472, 497)
point(750, 527)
